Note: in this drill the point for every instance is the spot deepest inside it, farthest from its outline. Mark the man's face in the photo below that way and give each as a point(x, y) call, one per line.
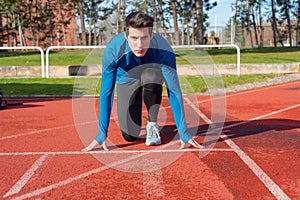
point(139, 40)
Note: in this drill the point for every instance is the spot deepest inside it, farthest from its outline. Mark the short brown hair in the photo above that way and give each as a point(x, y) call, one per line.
point(138, 20)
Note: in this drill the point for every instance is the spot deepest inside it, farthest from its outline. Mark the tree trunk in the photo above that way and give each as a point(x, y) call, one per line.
point(298, 25)
point(288, 18)
point(90, 33)
point(254, 26)
point(155, 15)
point(261, 28)
point(273, 21)
point(14, 30)
point(161, 15)
point(199, 16)
point(193, 26)
point(249, 24)
point(62, 25)
point(118, 17)
point(81, 15)
point(174, 12)
point(182, 32)
point(95, 35)
point(21, 36)
point(234, 23)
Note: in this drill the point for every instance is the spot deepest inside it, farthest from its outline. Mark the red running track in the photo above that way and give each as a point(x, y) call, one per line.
point(256, 157)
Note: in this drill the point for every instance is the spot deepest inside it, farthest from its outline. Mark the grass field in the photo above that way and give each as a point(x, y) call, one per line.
point(184, 56)
point(91, 86)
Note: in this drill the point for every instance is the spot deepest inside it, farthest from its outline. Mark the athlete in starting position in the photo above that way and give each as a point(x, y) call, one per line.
point(139, 61)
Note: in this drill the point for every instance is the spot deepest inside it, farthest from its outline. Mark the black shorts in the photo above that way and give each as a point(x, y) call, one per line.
point(147, 88)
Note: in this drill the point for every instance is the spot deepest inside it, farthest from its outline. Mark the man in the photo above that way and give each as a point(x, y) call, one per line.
point(139, 61)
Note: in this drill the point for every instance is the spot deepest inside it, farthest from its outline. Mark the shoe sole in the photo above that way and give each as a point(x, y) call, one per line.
point(153, 143)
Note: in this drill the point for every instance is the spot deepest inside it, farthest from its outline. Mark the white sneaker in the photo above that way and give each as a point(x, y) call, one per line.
point(152, 132)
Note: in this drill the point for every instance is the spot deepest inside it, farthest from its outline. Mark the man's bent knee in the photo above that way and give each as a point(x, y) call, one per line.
point(129, 138)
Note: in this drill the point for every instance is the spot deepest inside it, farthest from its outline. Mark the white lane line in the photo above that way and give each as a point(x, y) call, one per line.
point(45, 130)
point(248, 91)
point(26, 177)
point(262, 116)
point(202, 101)
point(259, 172)
point(86, 174)
point(112, 152)
point(72, 179)
point(153, 184)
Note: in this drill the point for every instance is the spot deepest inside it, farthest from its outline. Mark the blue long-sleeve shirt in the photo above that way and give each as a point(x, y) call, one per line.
point(118, 60)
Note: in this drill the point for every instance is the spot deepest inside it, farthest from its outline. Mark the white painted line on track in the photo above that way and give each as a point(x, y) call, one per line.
point(228, 95)
point(153, 184)
point(267, 181)
point(271, 186)
point(259, 172)
point(112, 152)
point(262, 116)
point(26, 177)
point(86, 174)
point(202, 101)
point(45, 130)
point(75, 178)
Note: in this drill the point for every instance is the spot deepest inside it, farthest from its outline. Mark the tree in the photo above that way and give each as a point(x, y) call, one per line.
point(200, 20)
point(12, 11)
point(260, 4)
point(285, 10)
point(296, 13)
point(201, 6)
point(174, 13)
point(121, 7)
point(82, 21)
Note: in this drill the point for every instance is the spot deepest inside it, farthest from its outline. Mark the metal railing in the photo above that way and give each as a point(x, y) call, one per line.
point(66, 47)
point(238, 70)
point(46, 69)
point(29, 48)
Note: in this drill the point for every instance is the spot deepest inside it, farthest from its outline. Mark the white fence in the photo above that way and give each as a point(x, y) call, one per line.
point(30, 48)
point(66, 47)
point(47, 67)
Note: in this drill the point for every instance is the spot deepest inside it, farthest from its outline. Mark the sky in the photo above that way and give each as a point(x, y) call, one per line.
point(221, 13)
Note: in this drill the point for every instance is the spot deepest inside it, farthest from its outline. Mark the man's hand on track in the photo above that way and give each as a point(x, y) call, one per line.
point(192, 142)
point(93, 144)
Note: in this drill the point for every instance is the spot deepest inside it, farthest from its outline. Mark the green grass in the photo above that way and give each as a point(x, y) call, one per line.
point(90, 86)
point(227, 56)
point(51, 86)
point(184, 56)
point(56, 58)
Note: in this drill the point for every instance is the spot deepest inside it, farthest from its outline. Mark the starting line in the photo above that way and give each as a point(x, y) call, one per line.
point(113, 152)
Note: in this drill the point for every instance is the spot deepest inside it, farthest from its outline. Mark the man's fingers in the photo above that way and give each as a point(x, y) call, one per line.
point(182, 145)
point(196, 144)
point(104, 146)
point(85, 149)
point(91, 146)
point(193, 143)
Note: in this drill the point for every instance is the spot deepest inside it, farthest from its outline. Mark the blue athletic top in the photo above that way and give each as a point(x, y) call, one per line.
point(118, 59)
